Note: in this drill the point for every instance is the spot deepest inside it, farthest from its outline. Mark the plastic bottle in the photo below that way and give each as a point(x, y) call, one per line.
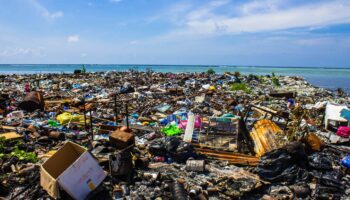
point(189, 127)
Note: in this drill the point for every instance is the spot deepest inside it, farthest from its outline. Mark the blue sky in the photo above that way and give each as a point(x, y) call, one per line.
point(237, 32)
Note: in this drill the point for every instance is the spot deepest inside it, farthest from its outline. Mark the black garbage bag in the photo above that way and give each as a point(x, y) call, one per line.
point(157, 147)
point(329, 185)
point(171, 143)
point(301, 190)
point(332, 179)
point(273, 164)
point(320, 161)
point(297, 151)
point(174, 147)
point(126, 88)
point(286, 164)
point(326, 193)
point(183, 151)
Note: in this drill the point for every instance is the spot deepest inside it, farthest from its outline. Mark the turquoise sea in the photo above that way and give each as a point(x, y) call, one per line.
point(330, 78)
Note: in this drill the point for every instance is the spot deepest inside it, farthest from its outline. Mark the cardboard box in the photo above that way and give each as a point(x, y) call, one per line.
point(72, 168)
point(121, 139)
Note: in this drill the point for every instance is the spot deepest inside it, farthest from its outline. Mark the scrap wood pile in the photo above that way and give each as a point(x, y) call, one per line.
point(148, 135)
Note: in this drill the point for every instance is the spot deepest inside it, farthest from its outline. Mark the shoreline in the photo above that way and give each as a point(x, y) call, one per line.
point(326, 78)
point(177, 73)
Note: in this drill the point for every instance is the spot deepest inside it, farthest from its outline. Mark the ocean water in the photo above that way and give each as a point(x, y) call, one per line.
point(330, 78)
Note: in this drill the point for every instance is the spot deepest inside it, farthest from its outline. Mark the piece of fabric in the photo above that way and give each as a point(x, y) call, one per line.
point(343, 131)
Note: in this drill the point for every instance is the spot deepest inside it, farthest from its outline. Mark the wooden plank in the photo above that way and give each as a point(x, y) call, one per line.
point(8, 128)
point(11, 135)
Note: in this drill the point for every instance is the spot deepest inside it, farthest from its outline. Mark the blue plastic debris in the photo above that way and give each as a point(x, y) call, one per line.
point(346, 161)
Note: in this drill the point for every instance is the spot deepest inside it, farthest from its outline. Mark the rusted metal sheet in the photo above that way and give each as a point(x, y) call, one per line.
point(265, 135)
point(32, 101)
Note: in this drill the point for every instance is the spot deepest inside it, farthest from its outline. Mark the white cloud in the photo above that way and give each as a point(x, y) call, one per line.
point(54, 15)
point(174, 13)
point(21, 51)
point(115, 1)
point(45, 12)
point(73, 38)
point(83, 55)
point(134, 42)
point(258, 6)
point(263, 16)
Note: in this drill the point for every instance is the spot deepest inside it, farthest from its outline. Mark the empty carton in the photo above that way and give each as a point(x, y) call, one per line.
point(72, 168)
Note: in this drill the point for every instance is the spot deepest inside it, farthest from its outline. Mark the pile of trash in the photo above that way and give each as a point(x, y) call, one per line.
point(151, 135)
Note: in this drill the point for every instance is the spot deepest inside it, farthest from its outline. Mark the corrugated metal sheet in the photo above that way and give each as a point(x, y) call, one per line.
point(264, 136)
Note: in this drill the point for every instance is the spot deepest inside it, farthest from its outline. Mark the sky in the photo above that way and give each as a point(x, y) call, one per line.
point(193, 32)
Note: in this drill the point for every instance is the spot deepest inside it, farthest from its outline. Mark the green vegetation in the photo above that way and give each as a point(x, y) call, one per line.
point(2, 147)
point(237, 74)
point(240, 87)
point(210, 71)
point(275, 80)
point(83, 70)
point(2, 141)
point(149, 70)
point(20, 154)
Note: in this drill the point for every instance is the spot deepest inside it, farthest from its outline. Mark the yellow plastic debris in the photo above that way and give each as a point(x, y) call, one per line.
point(66, 118)
point(212, 88)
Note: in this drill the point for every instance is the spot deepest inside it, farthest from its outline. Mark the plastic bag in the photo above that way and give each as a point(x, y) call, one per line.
point(171, 130)
point(197, 123)
point(66, 118)
point(320, 161)
point(174, 147)
point(346, 161)
point(284, 165)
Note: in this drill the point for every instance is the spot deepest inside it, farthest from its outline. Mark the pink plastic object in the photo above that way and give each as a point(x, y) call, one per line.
point(182, 124)
point(197, 121)
point(343, 131)
point(27, 88)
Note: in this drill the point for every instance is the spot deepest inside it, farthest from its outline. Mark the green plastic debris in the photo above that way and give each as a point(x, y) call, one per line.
point(171, 130)
point(52, 123)
point(228, 115)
